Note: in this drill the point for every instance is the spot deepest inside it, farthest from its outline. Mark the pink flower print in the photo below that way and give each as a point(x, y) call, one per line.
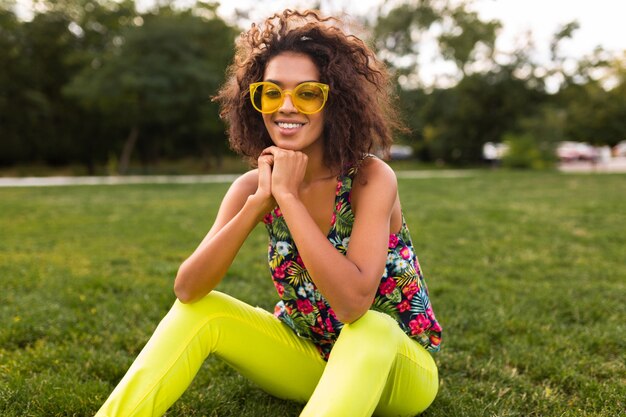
point(410, 290)
point(387, 286)
point(415, 329)
point(436, 327)
point(321, 306)
point(339, 206)
point(423, 321)
point(267, 219)
point(299, 261)
point(393, 241)
point(329, 325)
point(405, 252)
point(277, 212)
point(279, 288)
point(404, 306)
point(304, 306)
point(279, 272)
point(331, 313)
point(419, 324)
point(333, 220)
point(430, 313)
point(277, 310)
point(339, 185)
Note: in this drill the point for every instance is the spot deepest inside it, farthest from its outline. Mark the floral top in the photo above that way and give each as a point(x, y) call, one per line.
point(402, 292)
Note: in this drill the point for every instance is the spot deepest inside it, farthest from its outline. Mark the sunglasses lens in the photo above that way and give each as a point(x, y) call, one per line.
point(267, 97)
point(309, 98)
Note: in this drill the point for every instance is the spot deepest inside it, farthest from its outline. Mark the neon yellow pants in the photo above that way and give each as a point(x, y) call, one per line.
point(374, 368)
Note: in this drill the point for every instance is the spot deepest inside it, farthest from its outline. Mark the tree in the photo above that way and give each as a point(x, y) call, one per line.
point(157, 81)
point(401, 34)
point(481, 108)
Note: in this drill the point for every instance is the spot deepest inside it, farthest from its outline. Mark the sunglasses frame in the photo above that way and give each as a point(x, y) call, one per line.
point(283, 93)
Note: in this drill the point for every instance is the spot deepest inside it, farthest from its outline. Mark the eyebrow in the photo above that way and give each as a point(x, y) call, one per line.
point(280, 84)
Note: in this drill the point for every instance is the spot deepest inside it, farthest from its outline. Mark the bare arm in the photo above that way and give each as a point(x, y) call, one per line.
point(247, 200)
point(348, 282)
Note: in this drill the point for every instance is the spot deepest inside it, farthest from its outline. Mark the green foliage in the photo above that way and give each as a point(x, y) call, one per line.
point(158, 81)
point(101, 84)
point(481, 108)
point(595, 114)
point(82, 74)
point(525, 272)
point(487, 101)
point(525, 152)
point(533, 144)
point(399, 33)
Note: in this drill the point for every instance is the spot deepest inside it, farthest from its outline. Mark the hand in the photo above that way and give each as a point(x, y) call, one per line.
point(264, 190)
point(288, 169)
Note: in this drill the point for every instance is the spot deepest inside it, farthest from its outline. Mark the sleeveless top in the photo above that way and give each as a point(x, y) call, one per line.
point(402, 293)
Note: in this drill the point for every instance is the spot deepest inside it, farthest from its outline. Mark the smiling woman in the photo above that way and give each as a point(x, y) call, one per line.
point(353, 328)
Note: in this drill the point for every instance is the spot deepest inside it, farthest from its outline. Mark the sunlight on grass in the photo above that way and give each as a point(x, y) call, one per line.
point(526, 273)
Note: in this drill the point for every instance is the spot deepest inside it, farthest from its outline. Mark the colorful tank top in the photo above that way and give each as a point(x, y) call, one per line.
point(402, 293)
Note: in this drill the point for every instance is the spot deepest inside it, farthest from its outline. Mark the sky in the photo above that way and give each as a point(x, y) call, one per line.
point(601, 21)
point(601, 24)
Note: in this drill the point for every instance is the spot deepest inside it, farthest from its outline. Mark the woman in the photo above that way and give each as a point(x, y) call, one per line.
point(352, 331)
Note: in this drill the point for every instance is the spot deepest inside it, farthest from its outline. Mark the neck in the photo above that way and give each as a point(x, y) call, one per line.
point(316, 168)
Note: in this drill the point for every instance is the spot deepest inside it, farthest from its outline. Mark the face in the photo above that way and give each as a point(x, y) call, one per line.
point(288, 128)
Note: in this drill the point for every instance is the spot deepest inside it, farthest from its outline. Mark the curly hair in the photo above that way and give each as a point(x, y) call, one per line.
point(360, 116)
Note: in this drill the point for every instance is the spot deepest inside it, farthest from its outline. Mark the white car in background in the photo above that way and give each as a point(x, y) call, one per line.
point(575, 151)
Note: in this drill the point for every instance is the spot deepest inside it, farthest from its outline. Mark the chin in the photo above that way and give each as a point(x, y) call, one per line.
point(290, 144)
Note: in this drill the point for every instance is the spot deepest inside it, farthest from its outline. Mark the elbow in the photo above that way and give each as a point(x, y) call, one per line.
point(353, 311)
point(181, 289)
point(182, 295)
point(348, 317)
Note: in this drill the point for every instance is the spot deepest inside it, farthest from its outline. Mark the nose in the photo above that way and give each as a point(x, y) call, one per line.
point(287, 106)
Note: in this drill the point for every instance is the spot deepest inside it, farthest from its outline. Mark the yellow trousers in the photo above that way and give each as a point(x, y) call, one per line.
point(374, 367)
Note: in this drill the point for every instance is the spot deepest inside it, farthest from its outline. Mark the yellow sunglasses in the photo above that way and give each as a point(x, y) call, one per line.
point(308, 98)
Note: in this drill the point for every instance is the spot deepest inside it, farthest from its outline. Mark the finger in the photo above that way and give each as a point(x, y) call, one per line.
point(270, 150)
point(266, 159)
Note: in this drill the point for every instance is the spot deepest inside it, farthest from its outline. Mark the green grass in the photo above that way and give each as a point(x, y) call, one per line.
point(526, 273)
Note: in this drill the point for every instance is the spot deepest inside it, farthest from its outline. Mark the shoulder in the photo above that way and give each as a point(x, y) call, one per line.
point(244, 186)
point(375, 173)
point(247, 182)
point(374, 181)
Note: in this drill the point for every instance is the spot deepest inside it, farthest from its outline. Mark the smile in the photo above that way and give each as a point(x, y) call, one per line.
point(283, 125)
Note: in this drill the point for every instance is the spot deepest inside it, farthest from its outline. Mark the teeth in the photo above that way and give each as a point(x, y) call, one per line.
point(289, 125)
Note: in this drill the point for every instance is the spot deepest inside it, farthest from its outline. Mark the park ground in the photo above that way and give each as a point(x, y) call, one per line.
point(526, 273)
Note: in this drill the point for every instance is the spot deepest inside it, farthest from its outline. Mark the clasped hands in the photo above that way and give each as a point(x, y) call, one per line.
point(281, 173)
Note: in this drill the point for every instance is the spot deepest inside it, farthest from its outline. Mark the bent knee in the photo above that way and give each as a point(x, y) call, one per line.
point(373, 323)
point(211, 303)
point(374, 334)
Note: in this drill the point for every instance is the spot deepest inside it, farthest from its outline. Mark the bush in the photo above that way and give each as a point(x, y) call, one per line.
point(526, 152)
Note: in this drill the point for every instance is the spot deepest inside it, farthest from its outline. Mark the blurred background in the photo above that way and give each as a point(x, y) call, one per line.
point(104, 87)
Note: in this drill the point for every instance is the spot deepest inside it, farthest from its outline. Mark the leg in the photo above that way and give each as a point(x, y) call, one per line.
point(250, 339)
point(374, 368)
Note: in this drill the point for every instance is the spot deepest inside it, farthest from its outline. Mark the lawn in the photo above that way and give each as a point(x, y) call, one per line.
point(526, 271)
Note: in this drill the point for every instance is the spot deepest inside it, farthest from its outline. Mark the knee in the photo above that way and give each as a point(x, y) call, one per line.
point(373, 324)
point(374, 335)
point(202, 309)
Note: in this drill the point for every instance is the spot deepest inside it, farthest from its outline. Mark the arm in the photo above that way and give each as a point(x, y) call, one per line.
point(348, 282)
point(247, 200)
